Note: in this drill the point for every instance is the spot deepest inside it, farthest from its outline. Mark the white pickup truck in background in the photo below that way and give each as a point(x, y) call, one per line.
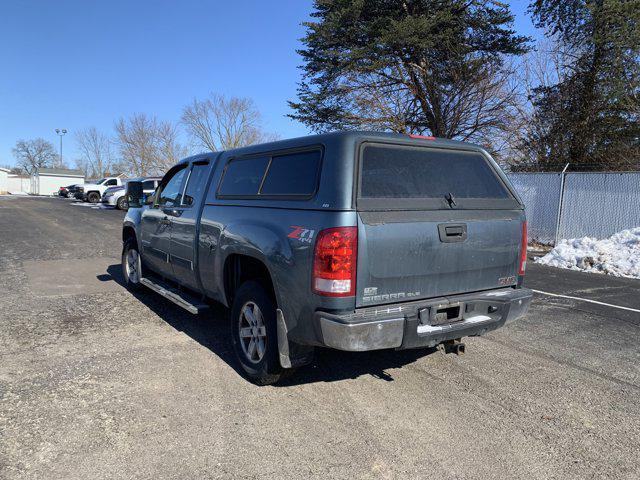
point(92, 192)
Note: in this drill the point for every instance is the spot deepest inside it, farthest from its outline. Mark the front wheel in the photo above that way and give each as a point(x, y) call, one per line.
point(254, 334)
point(93, 197)
point(122, 204)
point(131, 265)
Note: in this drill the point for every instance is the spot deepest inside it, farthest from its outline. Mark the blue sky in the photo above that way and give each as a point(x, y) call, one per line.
point(74, 64)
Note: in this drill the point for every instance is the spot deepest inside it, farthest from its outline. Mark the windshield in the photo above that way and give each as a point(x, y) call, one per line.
point(101, 181)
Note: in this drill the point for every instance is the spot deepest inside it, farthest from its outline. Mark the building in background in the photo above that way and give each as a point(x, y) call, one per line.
point(47, 181)
point(4, 180)
point(19, 184)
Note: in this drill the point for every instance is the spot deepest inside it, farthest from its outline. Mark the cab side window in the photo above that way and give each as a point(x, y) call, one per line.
point(171, 193)
point(111, 182)
point(243, 176)
point(292, 174)
point(195, 184)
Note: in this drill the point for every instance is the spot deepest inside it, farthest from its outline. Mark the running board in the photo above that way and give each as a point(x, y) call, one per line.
point(182, 299)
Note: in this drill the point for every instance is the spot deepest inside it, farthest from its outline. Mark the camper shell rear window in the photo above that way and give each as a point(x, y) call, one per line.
point(427, 178)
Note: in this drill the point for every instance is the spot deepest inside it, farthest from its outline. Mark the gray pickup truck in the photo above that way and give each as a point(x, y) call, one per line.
point(352, 240)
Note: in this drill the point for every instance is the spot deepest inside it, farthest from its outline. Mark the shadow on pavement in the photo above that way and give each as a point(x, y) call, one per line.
point(211, 330)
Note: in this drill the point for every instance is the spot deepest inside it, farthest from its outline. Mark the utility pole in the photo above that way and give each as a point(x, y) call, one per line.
point(61, 133)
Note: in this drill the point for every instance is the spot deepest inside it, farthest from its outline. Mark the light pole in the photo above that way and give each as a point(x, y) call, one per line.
point(61, 133)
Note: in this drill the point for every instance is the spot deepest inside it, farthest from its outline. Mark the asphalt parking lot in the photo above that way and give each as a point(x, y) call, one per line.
point(98, 383)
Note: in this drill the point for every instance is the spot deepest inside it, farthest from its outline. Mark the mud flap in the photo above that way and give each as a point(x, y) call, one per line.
point(283, 340)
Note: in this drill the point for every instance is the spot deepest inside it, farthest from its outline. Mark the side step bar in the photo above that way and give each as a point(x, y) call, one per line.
point(184, 300)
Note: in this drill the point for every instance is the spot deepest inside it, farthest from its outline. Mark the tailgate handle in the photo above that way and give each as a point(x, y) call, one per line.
point(452, 232)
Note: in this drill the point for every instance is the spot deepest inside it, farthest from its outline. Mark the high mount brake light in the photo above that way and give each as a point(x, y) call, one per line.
point(421, 137)
point(523, 250)
point(335, 262)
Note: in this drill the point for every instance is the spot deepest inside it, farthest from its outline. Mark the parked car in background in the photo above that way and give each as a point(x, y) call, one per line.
point(116, 196)
point(92, 192)
point(65, 191)
point(73, 189)
point(353, 240)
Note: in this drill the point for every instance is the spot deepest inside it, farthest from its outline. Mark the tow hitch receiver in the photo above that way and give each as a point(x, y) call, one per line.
point(453, 346)
point(442, 314)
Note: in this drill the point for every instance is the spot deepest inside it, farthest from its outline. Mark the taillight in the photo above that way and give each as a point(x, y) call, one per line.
point(334, 262)
point(523, 250)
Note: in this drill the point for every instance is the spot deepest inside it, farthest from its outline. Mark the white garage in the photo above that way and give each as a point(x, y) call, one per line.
point(4, 180)
point(47, 181)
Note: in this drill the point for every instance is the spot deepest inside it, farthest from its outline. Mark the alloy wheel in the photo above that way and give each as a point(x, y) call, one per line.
point(133, 266)
point(253, 332)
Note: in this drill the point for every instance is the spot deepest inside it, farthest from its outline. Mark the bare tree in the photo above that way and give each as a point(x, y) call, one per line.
point(34, 154)
point(95, 152)
point(147, 145)
point(221, 123)
point(475, 110)
point(542, 67)
point(170, 150)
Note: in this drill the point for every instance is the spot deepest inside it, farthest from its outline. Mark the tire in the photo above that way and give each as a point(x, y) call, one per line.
point(122, 204)
point(131, 267)
point(93, 197)
point(255, 342)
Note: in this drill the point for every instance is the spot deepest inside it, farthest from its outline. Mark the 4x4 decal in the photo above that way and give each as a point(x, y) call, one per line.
point(301, 233)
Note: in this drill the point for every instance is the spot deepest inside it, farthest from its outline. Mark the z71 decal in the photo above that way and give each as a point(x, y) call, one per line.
point(301, 233)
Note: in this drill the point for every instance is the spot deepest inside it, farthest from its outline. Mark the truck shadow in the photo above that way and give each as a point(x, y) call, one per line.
point(211, 330)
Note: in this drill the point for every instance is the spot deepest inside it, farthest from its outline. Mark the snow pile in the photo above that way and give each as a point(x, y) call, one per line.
point(617, 255)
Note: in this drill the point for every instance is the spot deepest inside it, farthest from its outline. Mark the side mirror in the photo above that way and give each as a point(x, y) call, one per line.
point(135, 194)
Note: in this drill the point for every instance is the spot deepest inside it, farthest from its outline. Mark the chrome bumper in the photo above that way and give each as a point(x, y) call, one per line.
point(411, 325)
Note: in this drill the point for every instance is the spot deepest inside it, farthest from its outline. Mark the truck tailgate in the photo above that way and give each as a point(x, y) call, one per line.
point(422, 254)
point(433, 220)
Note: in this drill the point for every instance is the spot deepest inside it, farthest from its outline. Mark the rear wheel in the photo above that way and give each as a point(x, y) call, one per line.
point(122, 203)
point(131, 265)
point(254, 334)
point(93, 197)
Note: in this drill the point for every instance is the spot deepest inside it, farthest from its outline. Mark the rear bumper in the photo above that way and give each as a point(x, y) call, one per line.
point(407, 325)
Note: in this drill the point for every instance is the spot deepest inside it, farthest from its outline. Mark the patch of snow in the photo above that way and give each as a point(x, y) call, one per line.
point(477, 319)
point(499, 293)
point(618, 255)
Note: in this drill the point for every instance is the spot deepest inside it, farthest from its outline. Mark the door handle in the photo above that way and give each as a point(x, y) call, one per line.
point(452, 232)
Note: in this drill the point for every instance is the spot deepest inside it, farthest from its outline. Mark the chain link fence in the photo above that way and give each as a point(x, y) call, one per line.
point(572, 205)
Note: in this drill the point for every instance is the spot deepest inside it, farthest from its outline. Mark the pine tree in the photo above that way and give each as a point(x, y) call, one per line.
point(412, 66)
point(591, 118)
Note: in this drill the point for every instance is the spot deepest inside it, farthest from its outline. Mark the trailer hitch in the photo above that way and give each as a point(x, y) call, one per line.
point(453, 346)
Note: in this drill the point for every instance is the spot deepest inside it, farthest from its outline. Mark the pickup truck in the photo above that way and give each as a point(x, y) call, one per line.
point(352, 240)
point(92, 192)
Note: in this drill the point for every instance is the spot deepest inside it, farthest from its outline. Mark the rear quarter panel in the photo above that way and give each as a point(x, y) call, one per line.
point(284, 240)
